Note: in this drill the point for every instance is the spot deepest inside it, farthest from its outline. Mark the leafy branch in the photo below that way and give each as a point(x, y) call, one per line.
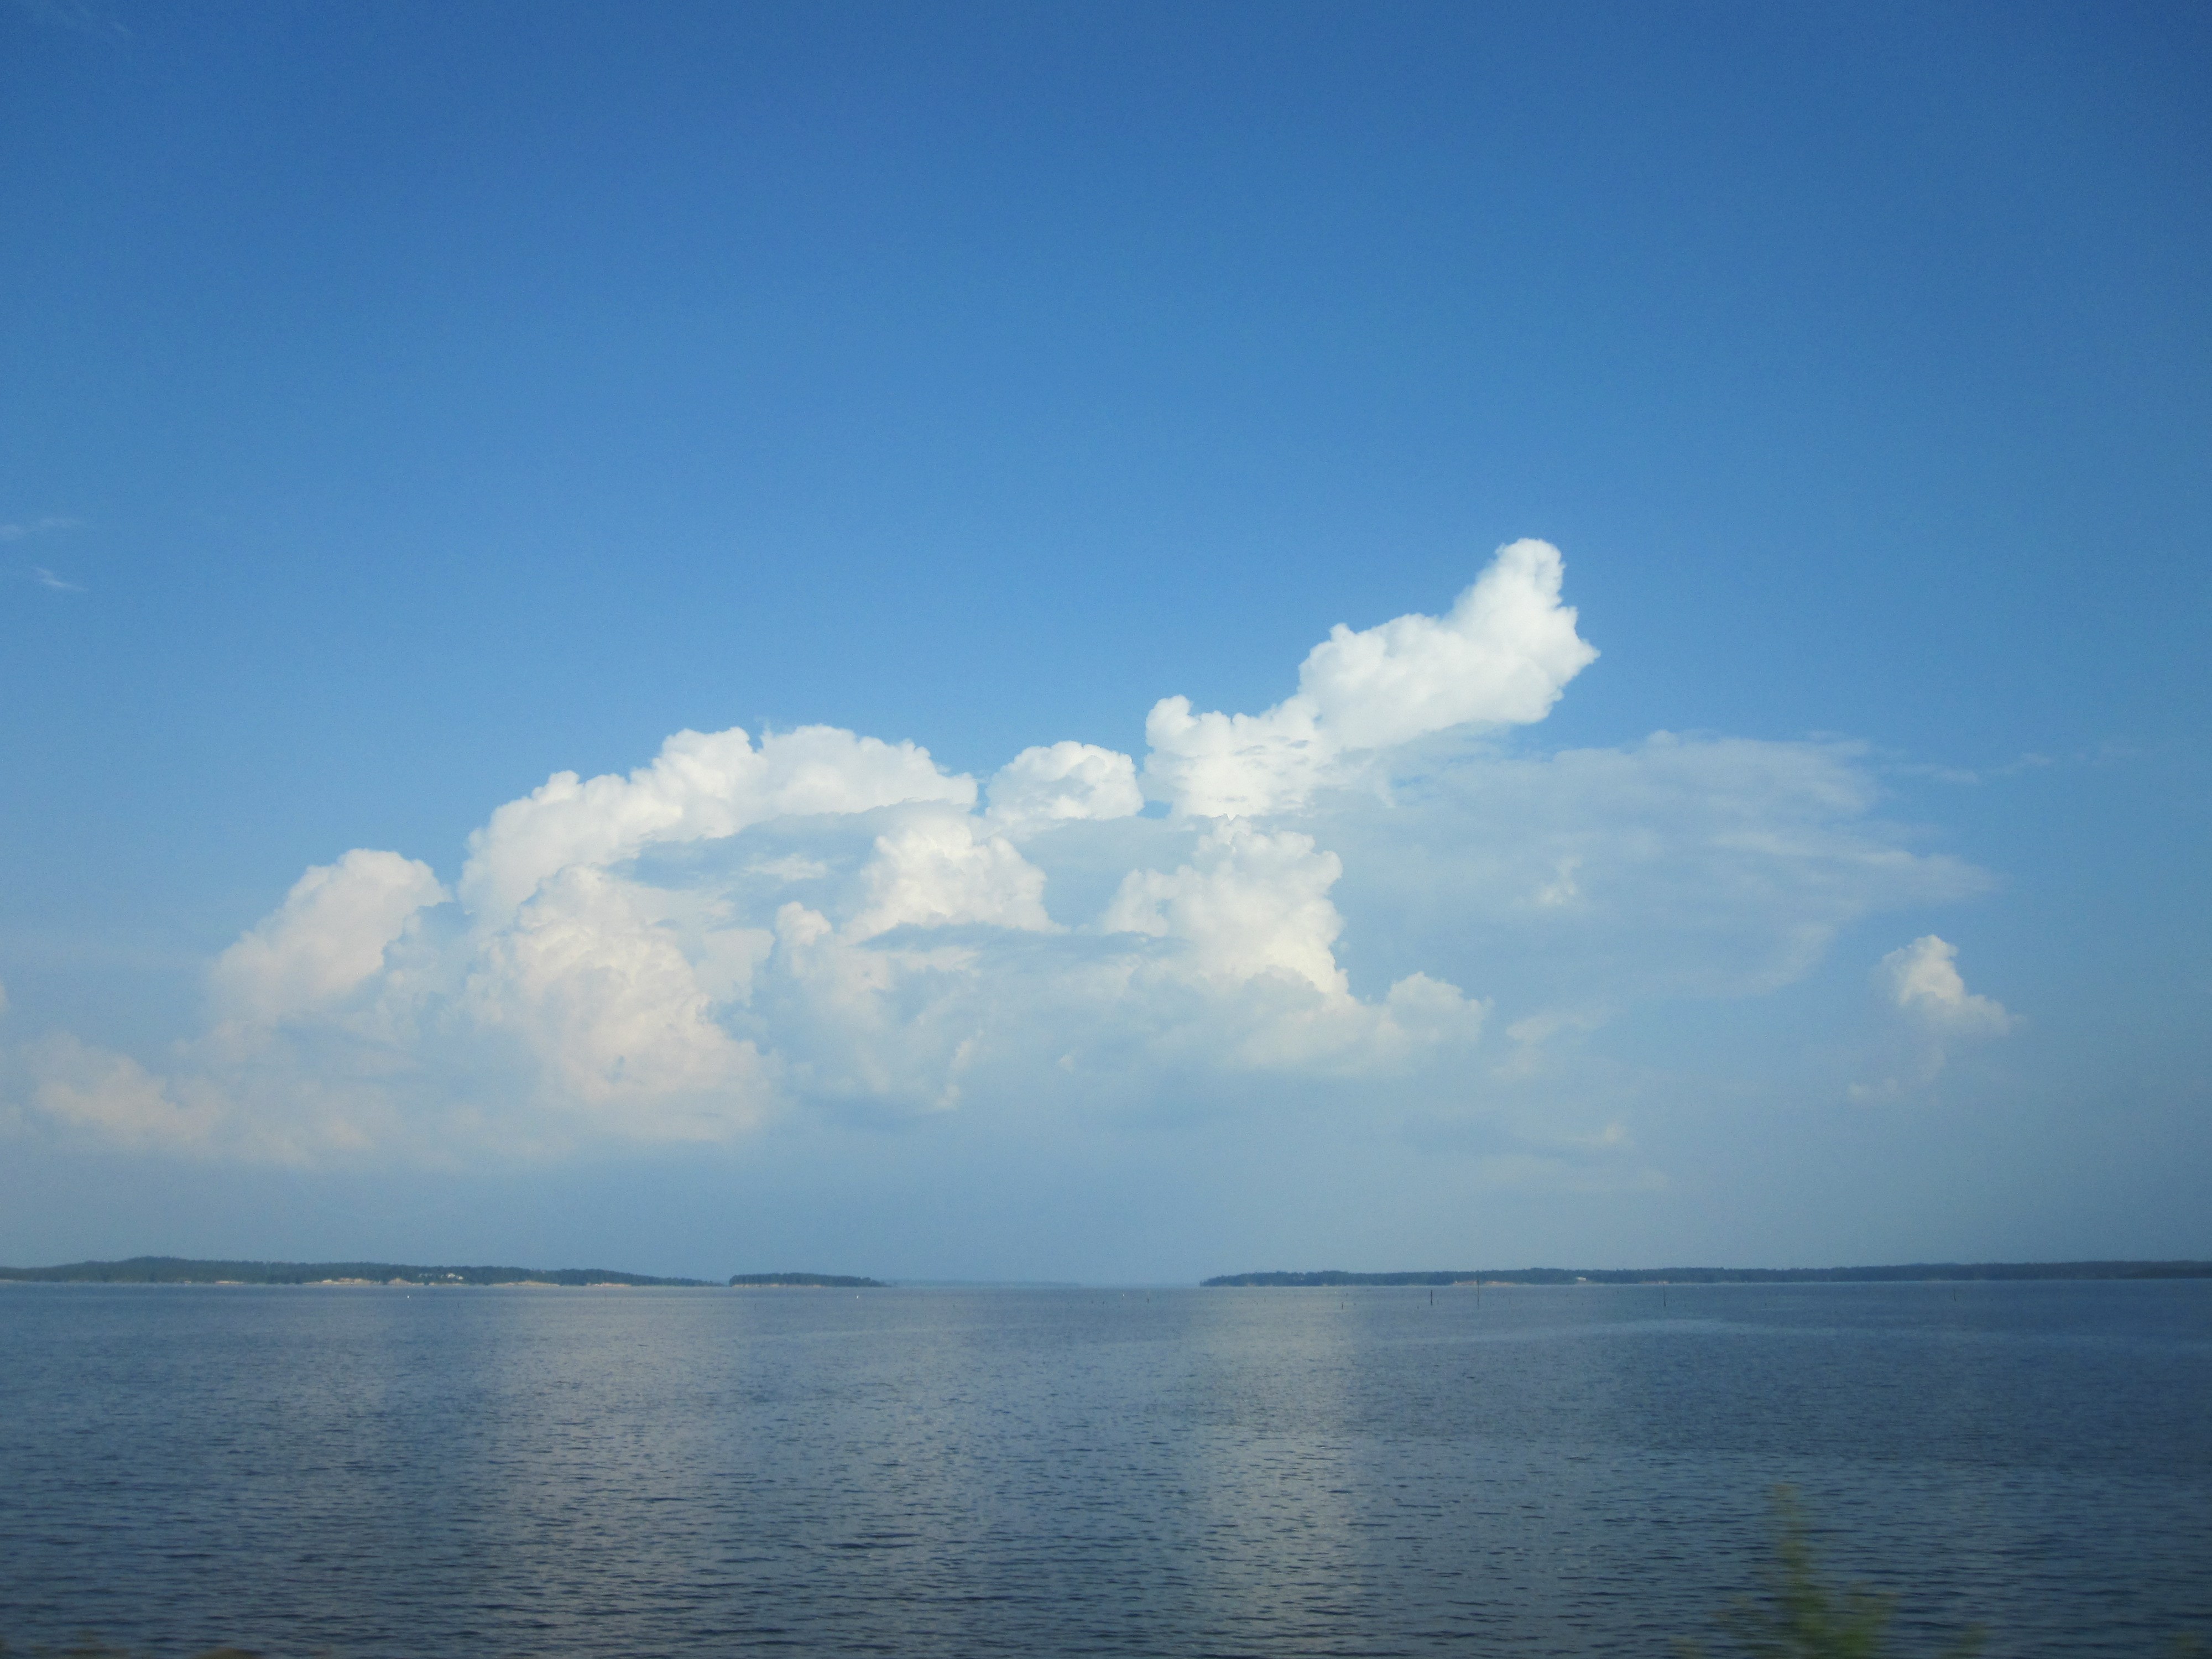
point(1799, 1616)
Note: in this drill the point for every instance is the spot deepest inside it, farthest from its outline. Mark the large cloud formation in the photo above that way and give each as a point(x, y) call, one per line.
point(815, 921)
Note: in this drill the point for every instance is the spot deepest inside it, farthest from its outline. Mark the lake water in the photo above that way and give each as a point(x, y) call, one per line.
point(375, 1471)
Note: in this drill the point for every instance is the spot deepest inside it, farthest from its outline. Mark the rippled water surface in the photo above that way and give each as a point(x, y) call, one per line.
point(373, 1471)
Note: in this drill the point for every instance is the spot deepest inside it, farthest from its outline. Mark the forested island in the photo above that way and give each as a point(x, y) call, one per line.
point(1917, 1271)
point(178, 1270)
point(182, 1270)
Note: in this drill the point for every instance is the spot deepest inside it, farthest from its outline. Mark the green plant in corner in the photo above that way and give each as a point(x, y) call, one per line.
point(1801, 1617)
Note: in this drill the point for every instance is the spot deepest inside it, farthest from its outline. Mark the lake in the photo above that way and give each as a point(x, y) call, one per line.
point(1574, 1470)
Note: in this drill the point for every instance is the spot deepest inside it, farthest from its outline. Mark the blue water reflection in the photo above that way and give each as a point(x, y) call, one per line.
point(375, 1471)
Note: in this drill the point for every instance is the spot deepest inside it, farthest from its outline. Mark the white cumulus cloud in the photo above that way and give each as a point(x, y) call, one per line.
point(112, 1097)
point(742, 932)
point(1920, 983)
point(702, 785)
point(614, 1012)
point(942, 868)
point(326, 940)
point(1063, 783)
point(1249, 903)
point(1923, 980)
point(1501, 656)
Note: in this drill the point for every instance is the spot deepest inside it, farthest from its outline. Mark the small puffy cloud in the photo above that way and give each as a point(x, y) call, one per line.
point(1063, 783)
point(51, 583)
point(702, 785)
point(1249, 903)
point(941, 869)
point(1221, 765)
point(740, 932)
point(615, 1017)
point(1920, 983)
point(111, 1097)
point(1501, 656)
point(1923, 980)
point(326, 940)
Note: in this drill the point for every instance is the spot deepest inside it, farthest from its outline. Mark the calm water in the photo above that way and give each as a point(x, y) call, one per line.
point(380, 1472)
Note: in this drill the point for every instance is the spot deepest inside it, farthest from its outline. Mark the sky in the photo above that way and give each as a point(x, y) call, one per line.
point(1105, 642)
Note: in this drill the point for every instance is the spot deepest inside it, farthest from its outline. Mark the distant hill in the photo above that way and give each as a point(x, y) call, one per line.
point(803, 1282)
point(178, 1270)
point(1916, 1271)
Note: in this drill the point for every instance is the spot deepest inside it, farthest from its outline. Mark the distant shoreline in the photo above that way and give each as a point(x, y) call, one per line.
point(181, 1270)
point(1914, 1272)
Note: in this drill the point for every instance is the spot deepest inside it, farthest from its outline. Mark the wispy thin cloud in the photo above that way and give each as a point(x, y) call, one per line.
point(74, 14)
point(24, 530)
point(2029, 761)
point(16, 532)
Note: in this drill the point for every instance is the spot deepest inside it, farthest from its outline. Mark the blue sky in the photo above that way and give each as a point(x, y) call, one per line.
point(404, 405)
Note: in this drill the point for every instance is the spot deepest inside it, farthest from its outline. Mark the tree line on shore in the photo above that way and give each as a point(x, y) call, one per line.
point(179, 1270)
point(1918, 1271)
